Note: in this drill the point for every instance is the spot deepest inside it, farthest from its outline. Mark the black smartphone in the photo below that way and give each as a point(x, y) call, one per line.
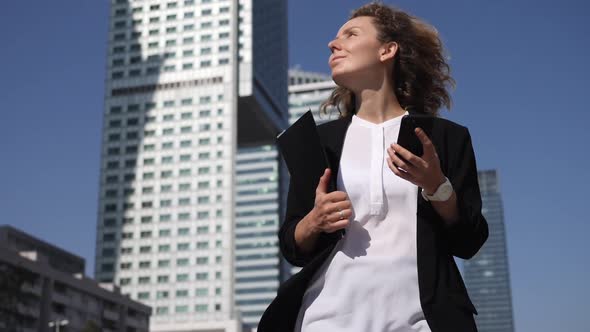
point(407, 137)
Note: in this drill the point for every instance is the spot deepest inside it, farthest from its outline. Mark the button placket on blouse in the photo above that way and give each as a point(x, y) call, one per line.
point(376, 185)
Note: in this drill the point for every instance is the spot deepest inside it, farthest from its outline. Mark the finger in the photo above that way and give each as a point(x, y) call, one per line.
point(322, 187)
point(409, 157)
point(405, 175)
point(339, 215)
point(393, 167)
point(400, 172)
point(333, 227)
point(397, 161)
point(340, 206)
point(427, 145)
point(336, 196)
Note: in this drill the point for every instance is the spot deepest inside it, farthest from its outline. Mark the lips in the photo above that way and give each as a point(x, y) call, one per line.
point(336, 58)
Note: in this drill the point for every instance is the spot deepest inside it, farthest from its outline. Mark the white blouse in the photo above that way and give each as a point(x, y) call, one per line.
point(370, 282)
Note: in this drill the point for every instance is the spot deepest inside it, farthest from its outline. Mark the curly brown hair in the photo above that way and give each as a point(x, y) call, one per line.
point(421, 75)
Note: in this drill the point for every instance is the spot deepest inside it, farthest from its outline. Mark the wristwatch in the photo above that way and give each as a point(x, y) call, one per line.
point(442, 193)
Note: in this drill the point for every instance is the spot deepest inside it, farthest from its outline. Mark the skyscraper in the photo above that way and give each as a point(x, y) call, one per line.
point(187, 83)
point(257, 261)
point(486, 275)
point(261, 184)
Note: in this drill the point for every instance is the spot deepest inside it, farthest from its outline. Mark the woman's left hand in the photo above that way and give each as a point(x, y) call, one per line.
point(422, 171)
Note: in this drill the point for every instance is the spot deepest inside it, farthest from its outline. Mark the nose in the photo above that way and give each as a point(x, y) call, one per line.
point(334, 44)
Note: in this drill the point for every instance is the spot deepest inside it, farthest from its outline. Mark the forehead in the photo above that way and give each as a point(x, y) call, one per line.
point(361, 22)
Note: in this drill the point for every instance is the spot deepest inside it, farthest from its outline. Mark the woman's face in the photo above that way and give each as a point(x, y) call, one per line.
point(356, 52)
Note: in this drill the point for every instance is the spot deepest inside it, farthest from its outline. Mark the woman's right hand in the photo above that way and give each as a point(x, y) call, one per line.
point(331, 210)
point(330, 213)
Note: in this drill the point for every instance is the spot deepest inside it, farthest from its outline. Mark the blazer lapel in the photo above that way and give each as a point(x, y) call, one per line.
point(333, 140)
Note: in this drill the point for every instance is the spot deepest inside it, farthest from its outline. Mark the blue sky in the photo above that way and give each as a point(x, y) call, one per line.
point(522, 79)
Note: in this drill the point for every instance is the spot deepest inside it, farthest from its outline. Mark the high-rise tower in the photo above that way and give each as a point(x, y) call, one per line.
point(188, 81)
point(486, 275)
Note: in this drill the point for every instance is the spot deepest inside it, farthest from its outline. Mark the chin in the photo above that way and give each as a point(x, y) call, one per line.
point(341, 78)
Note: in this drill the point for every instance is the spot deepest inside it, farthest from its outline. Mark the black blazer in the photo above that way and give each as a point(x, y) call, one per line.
point(444, 299)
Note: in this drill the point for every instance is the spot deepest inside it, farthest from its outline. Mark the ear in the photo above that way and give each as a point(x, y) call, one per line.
point(388, 51)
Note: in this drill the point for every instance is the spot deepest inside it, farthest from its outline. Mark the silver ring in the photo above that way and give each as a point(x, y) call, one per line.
point(341, 214)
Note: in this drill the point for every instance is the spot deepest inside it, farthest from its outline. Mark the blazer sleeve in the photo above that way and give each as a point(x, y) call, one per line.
point(468, 234)
point(296, 210)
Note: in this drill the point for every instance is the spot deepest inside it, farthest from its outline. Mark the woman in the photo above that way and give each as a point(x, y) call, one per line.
point(404, 218)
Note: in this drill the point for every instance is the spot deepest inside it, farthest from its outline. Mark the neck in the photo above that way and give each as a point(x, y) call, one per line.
point(378, 104)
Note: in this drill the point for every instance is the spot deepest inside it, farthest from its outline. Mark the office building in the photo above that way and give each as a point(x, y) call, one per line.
point(486, 275)
point(188, 82)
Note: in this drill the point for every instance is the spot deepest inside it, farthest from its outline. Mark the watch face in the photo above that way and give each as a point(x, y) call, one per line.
point(445, 192)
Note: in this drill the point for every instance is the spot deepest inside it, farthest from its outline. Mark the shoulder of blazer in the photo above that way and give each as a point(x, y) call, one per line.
point(451, 126)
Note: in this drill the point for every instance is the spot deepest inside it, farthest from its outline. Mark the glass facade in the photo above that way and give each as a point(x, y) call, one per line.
point(486, 275)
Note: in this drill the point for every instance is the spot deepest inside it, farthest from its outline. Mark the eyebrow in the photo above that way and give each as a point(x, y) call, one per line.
point(348, 29)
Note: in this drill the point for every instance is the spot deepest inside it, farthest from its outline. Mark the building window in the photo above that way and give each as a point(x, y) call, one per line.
point(161, 311)
point(181, 308)
point(201, 308)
